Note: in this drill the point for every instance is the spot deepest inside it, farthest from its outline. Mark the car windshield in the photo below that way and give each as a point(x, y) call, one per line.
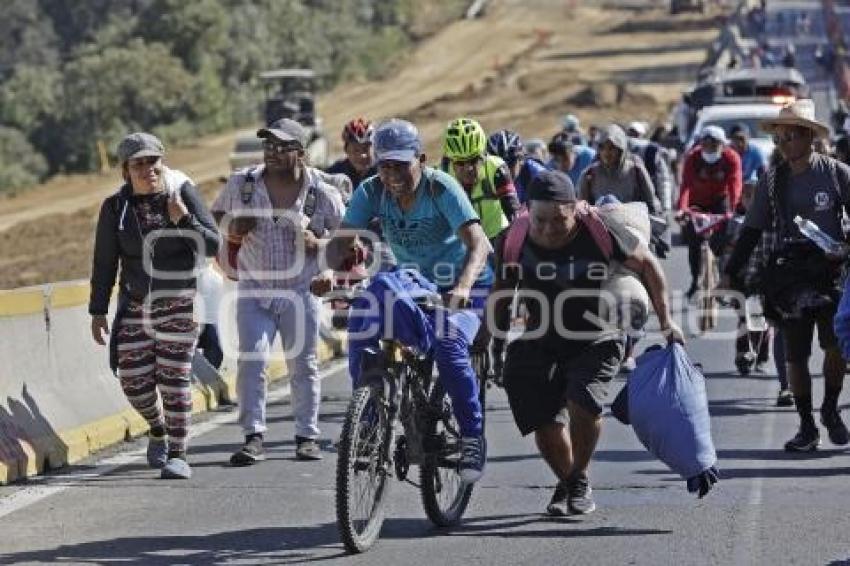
point(751, 123)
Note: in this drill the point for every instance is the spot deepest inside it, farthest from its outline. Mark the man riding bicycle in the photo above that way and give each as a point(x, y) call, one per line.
point(711, 181)
point(485, 178)
point(430, 225)
point(523, 167)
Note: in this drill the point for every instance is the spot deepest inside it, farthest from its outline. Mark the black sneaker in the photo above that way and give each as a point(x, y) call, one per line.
point(838, 434)
point(807, 439)
point(581, 496)
point(473, 454)
point(307, 449)
point(250, 453)
point(785, 398)
point(558, 504)
point(692, 290)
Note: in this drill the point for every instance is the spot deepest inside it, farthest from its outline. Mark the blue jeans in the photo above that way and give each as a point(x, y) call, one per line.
point(446, 338)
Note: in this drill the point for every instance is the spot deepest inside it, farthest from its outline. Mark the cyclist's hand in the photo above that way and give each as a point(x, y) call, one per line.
point(680, 216)
point(322, 284)
point(311, 242)
point(673, 334)
point(457, 298)
point(99, 328)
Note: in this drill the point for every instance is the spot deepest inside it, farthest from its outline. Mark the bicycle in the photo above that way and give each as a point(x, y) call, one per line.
point(400, 391)
point(705, 225)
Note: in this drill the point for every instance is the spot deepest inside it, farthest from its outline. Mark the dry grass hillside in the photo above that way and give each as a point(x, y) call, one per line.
point(522, 66)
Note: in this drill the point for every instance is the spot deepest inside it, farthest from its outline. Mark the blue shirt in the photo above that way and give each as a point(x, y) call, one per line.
point(753, 163)
point(584, 156)
point(424, 237)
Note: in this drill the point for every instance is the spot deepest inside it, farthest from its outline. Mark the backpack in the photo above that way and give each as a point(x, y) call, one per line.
point(586, 214)
point(227, 257)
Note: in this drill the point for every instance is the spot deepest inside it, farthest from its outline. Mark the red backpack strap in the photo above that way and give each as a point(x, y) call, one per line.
point(515, 237)
point(589, 216)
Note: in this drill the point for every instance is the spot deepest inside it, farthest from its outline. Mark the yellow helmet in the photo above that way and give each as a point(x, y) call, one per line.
point(465, 139)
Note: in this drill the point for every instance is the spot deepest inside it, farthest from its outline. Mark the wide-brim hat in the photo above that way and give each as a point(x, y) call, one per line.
point(798, 113)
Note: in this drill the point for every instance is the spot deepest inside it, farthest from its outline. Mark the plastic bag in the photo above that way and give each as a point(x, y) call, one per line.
point(841, 322)
point(666, 404)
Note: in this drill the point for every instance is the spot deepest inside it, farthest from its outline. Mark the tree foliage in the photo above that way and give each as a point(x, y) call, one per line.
point(75, 73)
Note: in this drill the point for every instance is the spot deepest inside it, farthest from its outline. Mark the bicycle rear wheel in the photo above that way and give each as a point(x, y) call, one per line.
point(362, 471)
point(708, 283)
point(444, 496)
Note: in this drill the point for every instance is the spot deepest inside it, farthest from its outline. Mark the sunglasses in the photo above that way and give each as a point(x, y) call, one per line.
point(789, 136)
point(471, 162)
point(280, 147)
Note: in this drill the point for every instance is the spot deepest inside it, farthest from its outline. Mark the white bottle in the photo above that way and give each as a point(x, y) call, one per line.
point(823, 240)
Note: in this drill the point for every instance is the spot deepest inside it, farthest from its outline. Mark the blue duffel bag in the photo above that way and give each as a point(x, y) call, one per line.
point(841, 322)
point(665, 402)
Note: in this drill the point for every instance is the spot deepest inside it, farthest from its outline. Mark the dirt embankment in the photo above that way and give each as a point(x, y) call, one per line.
point(523, 66)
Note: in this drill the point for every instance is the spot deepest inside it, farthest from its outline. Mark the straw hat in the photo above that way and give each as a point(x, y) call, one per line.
point(798, 113)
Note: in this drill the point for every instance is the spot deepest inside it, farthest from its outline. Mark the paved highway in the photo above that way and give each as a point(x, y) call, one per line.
point(769, 508)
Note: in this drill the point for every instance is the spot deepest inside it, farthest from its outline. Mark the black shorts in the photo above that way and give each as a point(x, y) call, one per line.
point(539, 381)
point(798, 334)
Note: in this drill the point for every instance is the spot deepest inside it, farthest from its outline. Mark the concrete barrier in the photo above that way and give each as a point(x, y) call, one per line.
point(59, 401)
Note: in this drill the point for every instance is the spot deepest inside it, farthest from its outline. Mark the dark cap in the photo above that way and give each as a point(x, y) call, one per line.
point(284, 130)
point(139, 144)
point(560, 144)
point(552, 186)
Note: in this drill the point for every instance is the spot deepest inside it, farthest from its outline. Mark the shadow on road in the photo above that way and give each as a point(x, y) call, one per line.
point(297, 544)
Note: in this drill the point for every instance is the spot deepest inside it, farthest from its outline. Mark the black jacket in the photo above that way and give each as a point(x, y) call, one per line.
point(119, 241)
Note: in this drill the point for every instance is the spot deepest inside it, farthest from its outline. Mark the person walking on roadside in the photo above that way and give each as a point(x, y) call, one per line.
point(801, 283)
point(157, 230)
point(557, 381)
point(619, 173)
point(280, 210)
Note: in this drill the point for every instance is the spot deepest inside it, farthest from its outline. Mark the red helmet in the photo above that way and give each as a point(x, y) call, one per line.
point(358, 130)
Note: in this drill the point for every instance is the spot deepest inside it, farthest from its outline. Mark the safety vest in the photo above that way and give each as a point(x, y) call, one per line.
point(483, 196)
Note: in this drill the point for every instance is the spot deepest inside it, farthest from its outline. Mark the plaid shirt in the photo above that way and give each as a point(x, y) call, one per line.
point(272, 256)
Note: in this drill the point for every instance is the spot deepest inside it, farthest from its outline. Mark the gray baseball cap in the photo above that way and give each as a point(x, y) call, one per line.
point(139, 144)
point(284, 130)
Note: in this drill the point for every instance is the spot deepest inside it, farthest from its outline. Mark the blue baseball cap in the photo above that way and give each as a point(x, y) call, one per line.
point(396, 140)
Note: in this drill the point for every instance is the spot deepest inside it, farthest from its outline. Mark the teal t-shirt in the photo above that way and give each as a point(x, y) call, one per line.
point(424, 237)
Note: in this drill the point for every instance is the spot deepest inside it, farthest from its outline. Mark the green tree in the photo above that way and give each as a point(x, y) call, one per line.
point(23, 166)
point(26, 36)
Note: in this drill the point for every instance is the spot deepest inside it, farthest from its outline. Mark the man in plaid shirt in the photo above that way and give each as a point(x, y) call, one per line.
point(281, 211)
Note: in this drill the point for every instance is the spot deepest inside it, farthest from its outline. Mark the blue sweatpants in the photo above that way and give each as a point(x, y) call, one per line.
point(447, 338)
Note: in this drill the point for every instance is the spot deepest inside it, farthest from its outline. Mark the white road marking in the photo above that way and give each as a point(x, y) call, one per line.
point(53, 485)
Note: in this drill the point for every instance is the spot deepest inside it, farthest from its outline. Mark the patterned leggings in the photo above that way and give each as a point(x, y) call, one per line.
point(156, 342)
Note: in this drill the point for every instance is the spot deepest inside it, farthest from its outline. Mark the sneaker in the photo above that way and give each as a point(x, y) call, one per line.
point(744, 361)
point(558, 504)
point(785, 398)
point(307, 449)
point(628, 365)
point(473, 454)
point(807, 439)
point(581, 496)
point(157, 452)
point(838, 434)
point(176, 469)
point(250, 453)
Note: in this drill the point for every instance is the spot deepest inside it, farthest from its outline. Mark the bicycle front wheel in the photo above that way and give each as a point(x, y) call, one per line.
point(362, 471)
point(444, 496)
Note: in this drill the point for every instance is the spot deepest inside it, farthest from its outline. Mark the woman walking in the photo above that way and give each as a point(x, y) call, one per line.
point(157, 229)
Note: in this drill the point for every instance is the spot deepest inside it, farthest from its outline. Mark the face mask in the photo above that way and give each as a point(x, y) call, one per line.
point(711, 157)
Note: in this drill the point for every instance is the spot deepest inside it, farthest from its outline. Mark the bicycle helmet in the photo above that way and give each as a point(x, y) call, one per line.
point(465, 139)
point(358, 130)
point(505, 144)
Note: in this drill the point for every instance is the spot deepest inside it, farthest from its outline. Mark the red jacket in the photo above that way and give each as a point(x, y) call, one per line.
point(705, 184)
